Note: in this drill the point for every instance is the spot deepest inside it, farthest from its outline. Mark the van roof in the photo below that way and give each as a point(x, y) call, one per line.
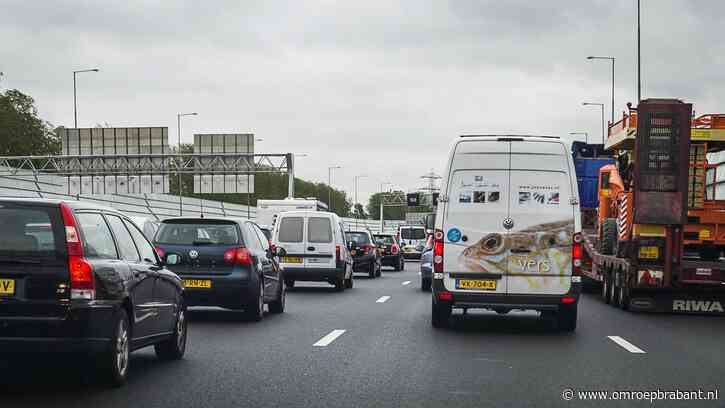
point(305, 213)
point(507, 137)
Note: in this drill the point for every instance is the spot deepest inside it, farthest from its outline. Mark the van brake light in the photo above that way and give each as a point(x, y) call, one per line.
point(438, 251)
point(576, 255)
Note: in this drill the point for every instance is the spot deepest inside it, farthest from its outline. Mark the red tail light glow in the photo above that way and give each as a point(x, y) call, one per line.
point(338, 251)
point(160, 252)
point(238, 256)
point(394, 249)
point(576, 255)
point(438, 251)
point(82, 283)
point(367, 248)
point(445, 296)
point(568, 300)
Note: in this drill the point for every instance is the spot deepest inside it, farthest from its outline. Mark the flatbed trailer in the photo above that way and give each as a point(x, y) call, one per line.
point(617, 278)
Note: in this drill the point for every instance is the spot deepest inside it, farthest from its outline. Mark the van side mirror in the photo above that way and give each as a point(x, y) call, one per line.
point(430, 221)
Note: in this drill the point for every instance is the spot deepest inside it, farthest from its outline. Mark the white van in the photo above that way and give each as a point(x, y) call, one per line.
point(508, 230)
point(316, 248)
point(412, 240)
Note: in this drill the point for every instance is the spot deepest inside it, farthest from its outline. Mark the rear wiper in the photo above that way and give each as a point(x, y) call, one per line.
point(202, 243)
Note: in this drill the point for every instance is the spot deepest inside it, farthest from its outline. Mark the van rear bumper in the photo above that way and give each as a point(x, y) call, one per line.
point(507, 302)
point(313, 274)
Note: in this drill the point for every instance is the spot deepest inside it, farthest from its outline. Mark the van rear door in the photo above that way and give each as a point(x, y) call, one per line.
point(475, 253)
point(291, 236)
point(543, 216)
point(34, 277)
point(320, 247)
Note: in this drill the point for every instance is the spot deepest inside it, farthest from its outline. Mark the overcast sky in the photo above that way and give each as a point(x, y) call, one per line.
point(380, 88)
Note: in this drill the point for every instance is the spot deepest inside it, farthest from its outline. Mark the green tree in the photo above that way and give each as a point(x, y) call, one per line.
point(22, 132)
point(391, 213)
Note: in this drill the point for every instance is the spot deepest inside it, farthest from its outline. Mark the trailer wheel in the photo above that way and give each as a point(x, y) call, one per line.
point(608, 241)
point(623, 297)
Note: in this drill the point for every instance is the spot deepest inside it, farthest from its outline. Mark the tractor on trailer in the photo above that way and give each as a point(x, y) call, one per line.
point(659, 237)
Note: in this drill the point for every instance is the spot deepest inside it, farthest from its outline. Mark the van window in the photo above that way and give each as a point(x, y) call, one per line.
point(319, 230)
point(412, 233)
point(290, 229)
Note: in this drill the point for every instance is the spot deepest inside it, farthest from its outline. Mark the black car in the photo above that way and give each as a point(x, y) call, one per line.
point(223, 262)
point(365, 255)
point(390, 252)
point(79, 277)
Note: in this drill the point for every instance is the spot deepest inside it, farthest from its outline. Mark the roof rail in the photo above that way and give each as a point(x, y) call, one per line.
point(545, 137)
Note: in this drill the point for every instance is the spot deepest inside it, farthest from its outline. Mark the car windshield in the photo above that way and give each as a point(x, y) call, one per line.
point(412, 233)
point(360, 238)
point(197, 234)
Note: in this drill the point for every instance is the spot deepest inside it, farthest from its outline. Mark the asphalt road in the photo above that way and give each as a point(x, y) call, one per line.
point(389, 355)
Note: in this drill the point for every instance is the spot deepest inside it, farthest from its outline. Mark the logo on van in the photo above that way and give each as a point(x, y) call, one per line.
point(508, 223)
point(193, 254)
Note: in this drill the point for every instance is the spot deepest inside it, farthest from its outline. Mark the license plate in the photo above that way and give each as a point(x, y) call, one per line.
point(316, 260)
point(649, 252)
point(7, 286)
point(197, 283)
point(291, 259)
point(480, 284)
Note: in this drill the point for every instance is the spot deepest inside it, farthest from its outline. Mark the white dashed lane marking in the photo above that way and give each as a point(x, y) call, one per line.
point(406, 283)
point(382, 299)
point(329, 338)
point(626, 345)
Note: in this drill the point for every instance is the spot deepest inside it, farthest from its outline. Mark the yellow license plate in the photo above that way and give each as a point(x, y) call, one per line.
point(480, 284)
point(197, 283)
point(291, 259)
point(7, 286)
point(649, 252)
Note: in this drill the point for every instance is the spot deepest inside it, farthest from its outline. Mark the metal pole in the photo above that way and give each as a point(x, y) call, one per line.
point(354, 206)
point(382, 208)
point(290, 176)
point(178, 166)
point(612, 90)
point(75, 103)
point(604, 126)
point(329, 189)
point(639, 58)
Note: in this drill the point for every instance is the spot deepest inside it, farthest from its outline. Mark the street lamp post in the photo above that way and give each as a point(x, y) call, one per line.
point(75, 99)
point(601, 105)
point(586, 135)
point(356, 203)
point(329, 185)
point(382, 206)
point(639, 59)
point(612, 60)
point(178, 167)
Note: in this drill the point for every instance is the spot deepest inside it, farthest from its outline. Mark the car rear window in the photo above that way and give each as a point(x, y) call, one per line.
point(319, 230)
point(290, 229)
point(412, 233)
point(198, 233)
point(360, 238)
point(385, 239)
point(30, 232)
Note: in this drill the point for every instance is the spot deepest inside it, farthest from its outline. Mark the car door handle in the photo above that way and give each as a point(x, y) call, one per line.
point(311, 248)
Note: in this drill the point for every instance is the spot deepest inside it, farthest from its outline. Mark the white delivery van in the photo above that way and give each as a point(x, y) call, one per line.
point(412, 240)
point(507, 229)
point(316, 248)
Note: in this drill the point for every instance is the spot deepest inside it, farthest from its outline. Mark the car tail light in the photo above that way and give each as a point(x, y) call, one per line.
point(338, 251)
point(394, 249)
point(576, 255)
point(160, 252)
point(82, 283)
point(367, 248)
point(438, 252)
point(238, 256)
point(568, 300)
point(445, 296)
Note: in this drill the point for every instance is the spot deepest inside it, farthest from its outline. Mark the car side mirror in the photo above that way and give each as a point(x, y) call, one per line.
point(172, 259)
point(430, 221)
point(280, 252)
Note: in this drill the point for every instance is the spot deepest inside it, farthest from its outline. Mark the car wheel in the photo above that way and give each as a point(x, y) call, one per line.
point(440, 313)
point(623, 294)
point(255, 309)
point(175, 347)
point(348, 282)
point(566, 317)
point(114, 361)
point(396, 266)
point(278, 305)
point(372, 273)
point(402, 263)
point(379, 272)
point(425, 284)
point(340, 284)
point(289, 283)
